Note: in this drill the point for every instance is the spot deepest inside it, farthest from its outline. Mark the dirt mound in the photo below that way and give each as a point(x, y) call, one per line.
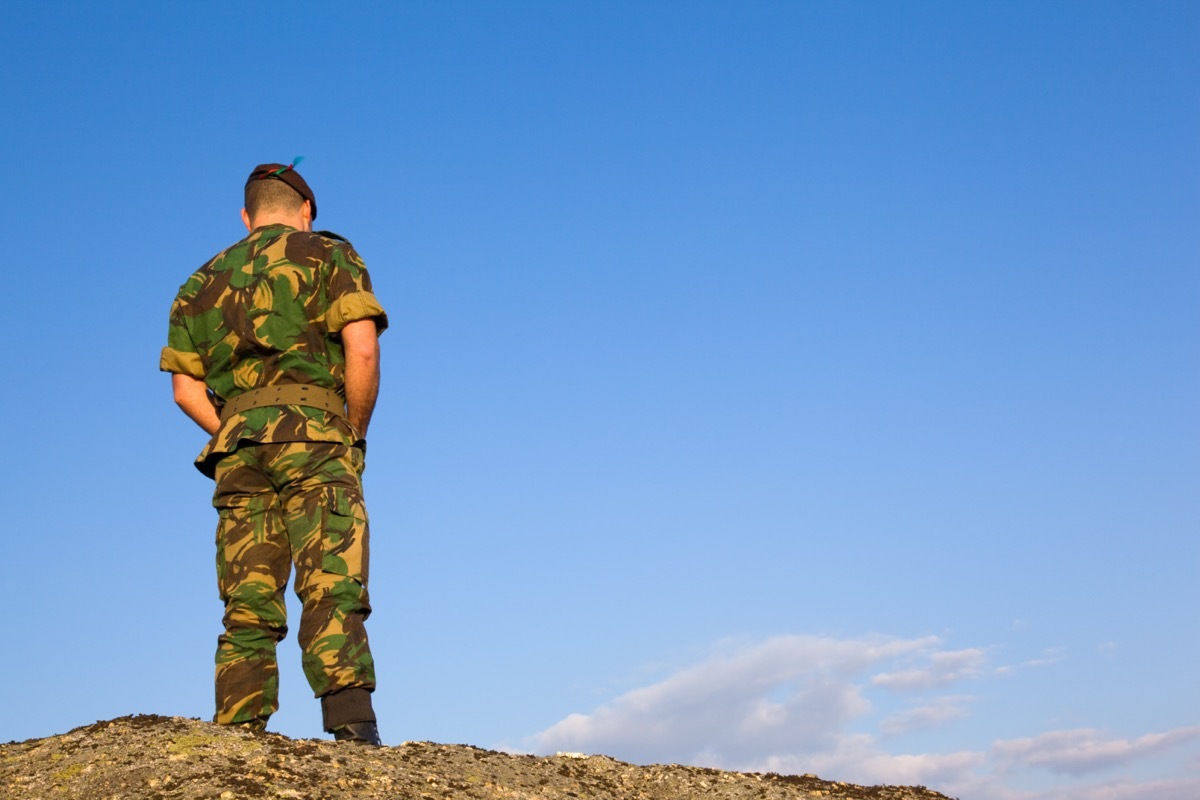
point(148, 757)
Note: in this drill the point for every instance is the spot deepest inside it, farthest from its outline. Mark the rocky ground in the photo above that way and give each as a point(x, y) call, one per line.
point(149, 757)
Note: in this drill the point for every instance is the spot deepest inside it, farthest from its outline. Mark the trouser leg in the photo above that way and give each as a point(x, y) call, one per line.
point(327, 523)
point(253, 563)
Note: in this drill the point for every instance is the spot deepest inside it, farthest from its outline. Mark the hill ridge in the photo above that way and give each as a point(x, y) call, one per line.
point(152, 757)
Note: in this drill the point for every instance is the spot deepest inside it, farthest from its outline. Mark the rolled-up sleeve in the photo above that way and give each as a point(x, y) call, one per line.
point(350, 295)
point(172, 360)
point(353, 307)
point(180, 353)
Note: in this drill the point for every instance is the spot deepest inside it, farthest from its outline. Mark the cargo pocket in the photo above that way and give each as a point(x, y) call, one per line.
point(222, 568)
point(344, 535)
point(358, 456)
point(239, 530)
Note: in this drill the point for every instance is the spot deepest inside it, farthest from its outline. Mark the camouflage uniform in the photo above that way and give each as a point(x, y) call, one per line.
point(267, 312)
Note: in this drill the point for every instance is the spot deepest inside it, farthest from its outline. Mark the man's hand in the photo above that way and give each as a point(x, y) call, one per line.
point(361, 343)
point(191, 396)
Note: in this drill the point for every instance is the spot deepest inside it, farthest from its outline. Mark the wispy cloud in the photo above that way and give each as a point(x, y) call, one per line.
point(942, 669)
point(1077, 752)
point(926, 717)
point(1052, 655)
point(790, 692)
point(796, 704)
point(859, 758)
point(1174, 789)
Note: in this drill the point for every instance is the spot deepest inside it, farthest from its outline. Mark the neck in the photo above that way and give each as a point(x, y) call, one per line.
point(300, 219)
point(291, 220)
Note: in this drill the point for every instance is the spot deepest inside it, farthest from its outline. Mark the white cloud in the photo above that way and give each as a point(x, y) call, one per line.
point(788, 694)
point(931, 715)
point(1051, 655)
point(800, 704)
point(859, 759)
point(1175, 789)
point(1084, 750)
point(942, 669)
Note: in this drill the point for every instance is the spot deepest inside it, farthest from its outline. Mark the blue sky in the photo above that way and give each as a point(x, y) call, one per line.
point(796, 386)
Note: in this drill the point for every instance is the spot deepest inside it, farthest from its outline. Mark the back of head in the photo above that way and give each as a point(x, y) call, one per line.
point(277, 188)
point(270, 196)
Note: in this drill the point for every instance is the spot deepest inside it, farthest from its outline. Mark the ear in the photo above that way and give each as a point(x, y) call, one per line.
point(306, 215)
point(246, 220)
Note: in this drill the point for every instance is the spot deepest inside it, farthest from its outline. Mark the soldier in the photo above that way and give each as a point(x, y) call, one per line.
point(273, 349)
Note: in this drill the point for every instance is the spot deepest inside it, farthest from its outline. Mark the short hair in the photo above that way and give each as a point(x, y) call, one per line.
point(271, 194)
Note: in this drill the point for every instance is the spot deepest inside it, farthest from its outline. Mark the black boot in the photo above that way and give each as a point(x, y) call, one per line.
point(362, 732)
point(348, 715)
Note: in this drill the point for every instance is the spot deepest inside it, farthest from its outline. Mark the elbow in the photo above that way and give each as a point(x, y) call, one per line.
point(360, 342)
point(365, 354)
point(189, 393)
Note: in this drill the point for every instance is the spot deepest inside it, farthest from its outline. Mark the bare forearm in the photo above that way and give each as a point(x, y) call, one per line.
point(191, 396)
point(361, 342)
point(362, 389)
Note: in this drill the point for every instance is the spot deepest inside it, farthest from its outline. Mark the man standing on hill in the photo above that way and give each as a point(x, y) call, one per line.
point(274, 351)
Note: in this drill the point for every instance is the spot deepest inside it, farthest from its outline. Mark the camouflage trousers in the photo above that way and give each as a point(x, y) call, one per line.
point(281, 504)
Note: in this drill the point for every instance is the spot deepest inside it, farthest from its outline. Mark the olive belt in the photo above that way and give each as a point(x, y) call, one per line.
point(288, 394)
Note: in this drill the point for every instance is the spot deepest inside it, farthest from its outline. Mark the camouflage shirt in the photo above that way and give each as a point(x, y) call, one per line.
point(264, 312)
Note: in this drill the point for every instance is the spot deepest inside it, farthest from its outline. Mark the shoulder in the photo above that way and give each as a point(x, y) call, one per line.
point(339, 243)
point(331, 235)
point(211, 269)
point(302, 247)
point(341, 246)
point(317, 238)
